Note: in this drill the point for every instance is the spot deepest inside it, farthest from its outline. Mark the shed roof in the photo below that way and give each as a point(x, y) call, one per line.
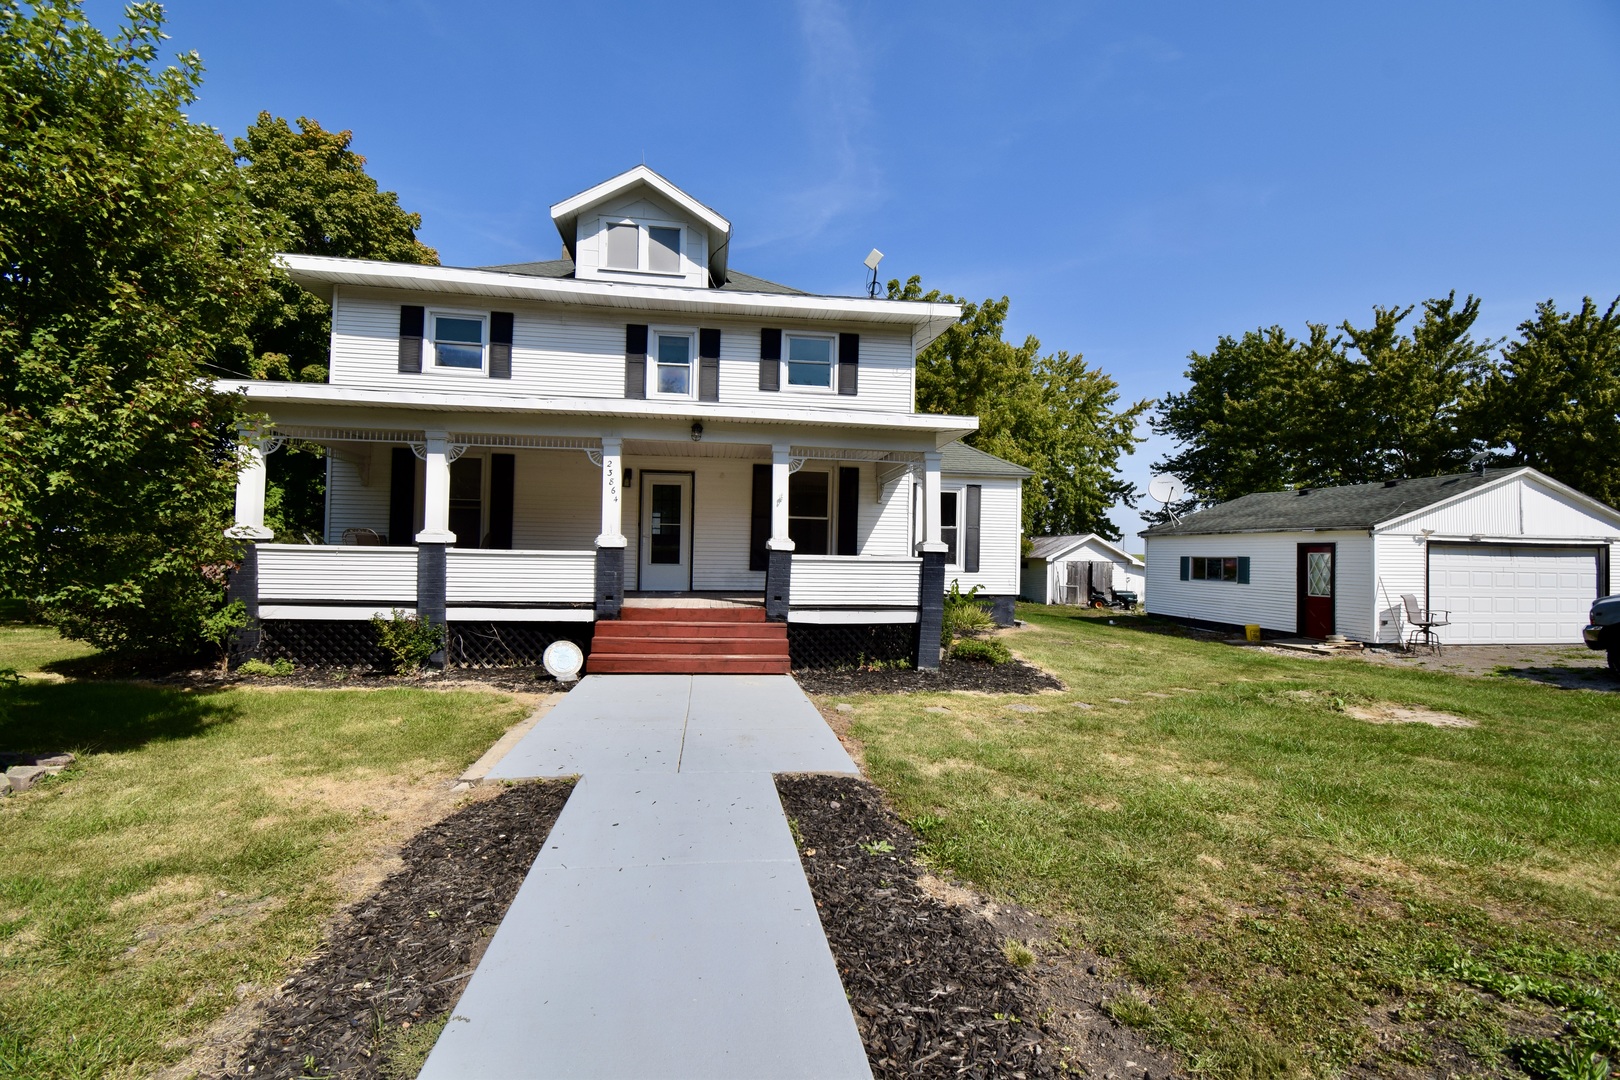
point(1054, 547)
point(1357, 506)
point(960, 459)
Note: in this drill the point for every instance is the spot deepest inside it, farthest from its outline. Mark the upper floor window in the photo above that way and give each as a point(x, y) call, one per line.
point(629, 245)
point(809, 360)
point(458, 341)
point(673, 352)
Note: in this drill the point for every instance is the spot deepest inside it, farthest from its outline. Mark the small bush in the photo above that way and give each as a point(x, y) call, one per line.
point(282, 666)
point(982, 650)
point(963, 614)
point(408, 640)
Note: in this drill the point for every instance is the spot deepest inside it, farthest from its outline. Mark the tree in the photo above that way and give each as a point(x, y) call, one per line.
point(1267, 411)
point(1052, 414)
point(128, 251)
point(318, 200)
point(1555, 400)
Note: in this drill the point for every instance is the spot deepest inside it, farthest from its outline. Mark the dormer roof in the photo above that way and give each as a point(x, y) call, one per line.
point(566, 214)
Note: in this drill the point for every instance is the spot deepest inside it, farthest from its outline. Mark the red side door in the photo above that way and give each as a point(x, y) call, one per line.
point(1316, 590)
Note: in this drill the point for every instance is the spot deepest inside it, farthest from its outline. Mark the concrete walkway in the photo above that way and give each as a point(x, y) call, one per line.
point(666, 930)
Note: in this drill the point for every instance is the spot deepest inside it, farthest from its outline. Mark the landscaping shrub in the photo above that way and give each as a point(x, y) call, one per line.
point(408, 640)
point(282, 666)
point(983, 650)
point(963, 614)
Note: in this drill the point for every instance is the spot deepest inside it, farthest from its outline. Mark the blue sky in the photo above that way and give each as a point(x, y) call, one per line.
point(1138, 178)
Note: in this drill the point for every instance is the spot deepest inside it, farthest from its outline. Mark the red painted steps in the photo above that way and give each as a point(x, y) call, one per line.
point(689, 641)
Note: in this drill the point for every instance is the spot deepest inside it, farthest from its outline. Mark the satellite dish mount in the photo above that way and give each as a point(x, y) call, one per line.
point(872, 261)
point(1167, 489)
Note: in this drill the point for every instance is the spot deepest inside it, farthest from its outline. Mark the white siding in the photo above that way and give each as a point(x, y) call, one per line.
point(519, 577)
point(1127, 575)
point(1033, 582)
point(1403, 567)
point(588, 246)
point(557, 500)
point(1271, 597)
point(854, 581)
point(304, 572)
point(357, 494)
point(1000, 515)
point(559, 352)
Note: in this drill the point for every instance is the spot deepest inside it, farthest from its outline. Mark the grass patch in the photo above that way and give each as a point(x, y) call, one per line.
point(194, 852)
point(1277, 874)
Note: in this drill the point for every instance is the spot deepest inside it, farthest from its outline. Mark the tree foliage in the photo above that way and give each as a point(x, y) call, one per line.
point(128, 253)
point(1050, 413)
point(317, 200)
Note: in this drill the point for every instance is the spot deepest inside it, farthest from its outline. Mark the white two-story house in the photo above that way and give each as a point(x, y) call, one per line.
point(535, 451)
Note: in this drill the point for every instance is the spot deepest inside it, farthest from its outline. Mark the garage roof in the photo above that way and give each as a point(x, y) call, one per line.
point(1359, 506)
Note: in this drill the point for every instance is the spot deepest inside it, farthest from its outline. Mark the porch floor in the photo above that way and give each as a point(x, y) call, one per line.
point(691, 600)
point(666, 929)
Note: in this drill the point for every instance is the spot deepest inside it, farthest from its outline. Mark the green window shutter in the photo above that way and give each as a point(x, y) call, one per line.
point(1186, 568)
point(1243, 569)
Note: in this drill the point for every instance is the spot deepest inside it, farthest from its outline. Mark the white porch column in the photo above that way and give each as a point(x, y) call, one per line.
point(249, 524)
point(781, 467)
point(930, 504)
point(436, 491)
point(612, 534)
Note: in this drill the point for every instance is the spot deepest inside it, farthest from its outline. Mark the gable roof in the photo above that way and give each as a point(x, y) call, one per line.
point(960, 459)
point(565, 215)
point(1357, 506)
point(1052, 548)
point(564, 268)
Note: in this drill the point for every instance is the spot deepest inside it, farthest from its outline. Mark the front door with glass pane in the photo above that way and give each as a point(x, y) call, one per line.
point(1316, 590)
point(666, 532)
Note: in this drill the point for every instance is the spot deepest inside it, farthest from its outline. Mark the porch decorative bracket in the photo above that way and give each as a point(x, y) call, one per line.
point(453, 454)
point(271, 444)
point(595, 456)
point(795, 464)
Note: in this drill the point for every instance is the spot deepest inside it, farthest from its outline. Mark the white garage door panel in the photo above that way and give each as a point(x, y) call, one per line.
point(1500, 595)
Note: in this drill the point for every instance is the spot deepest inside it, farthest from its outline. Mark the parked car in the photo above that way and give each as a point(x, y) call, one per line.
point(1603, 632)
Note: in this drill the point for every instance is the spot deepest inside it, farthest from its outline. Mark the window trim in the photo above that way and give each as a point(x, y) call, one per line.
point(1228, 563)
point(431, 340)
point(643, 246)
point(691, 334)
point(787, 386)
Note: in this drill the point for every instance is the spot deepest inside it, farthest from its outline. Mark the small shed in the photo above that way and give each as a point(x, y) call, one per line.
point(1067, 569)
point(1515, 556)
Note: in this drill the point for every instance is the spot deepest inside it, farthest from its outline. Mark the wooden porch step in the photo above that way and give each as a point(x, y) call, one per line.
point(688, 646)
point(634, 664)
point(639, 630)
point(692, 615)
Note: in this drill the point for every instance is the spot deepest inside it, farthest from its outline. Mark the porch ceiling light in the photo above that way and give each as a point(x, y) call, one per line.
point(697, 431)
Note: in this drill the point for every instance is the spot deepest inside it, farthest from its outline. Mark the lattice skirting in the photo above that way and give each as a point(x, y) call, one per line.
point(328, 643)
point(836, 645)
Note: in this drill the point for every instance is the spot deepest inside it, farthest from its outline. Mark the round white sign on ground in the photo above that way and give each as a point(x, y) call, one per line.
point(563, 659)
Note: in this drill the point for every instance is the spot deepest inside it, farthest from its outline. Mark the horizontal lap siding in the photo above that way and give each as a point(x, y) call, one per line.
point(1402, 568)
point(885, 525)
point(822, 581)
point(351, 504)
point(557, 500)
point(560, 352)
point(999, 546)
point(516, 577)
point(310, 573)
point(1271, 598)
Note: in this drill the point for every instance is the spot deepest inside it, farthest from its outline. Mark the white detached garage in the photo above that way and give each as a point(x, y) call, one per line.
point(1515, 556)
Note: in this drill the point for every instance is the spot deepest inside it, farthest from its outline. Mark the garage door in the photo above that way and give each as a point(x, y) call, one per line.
point(1500, 595)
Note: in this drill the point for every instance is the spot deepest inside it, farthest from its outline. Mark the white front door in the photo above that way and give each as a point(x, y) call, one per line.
point(1510, 595)
point(666, 532)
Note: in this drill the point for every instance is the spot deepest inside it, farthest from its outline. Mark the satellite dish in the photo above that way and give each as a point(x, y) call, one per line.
point(1167, 489)
point(563, 659)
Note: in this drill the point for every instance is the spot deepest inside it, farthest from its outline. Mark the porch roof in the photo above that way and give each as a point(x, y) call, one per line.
point(942, 429)
point(319, 273)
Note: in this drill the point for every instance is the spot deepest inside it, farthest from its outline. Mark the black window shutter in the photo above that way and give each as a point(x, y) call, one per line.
point(412, 319)
point(401, 496)
point(970, 530)
point(849, 510)
point(1243, 569)
point(759, 522)
point(500, 344)
point(849, 364)
point(502, 497)
point(635, 360)
point(708, 365)
point(1186, 568)
point(770, 359)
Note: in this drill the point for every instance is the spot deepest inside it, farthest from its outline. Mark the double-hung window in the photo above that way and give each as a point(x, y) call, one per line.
point(458, 341)
point(630, 245)
point(949, 529)
point(810, 360)
point(810, 512)
point(673, 362)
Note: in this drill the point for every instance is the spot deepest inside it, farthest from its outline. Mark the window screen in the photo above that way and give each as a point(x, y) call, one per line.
point(809, 361)
point(622, 242)
point(664, 250)
point(674, 364)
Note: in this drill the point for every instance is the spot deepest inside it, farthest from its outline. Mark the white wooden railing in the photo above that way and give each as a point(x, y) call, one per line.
point(854, 581)
point(480, 576)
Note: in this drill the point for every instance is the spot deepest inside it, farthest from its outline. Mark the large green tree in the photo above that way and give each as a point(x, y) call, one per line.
point(130, 252)
point(1050, 413)
point(1554, 403)
point(317, 200)
point(1267, 411)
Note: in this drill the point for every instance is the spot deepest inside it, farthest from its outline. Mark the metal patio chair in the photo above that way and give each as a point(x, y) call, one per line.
point(1422, 623)
point(363, 537)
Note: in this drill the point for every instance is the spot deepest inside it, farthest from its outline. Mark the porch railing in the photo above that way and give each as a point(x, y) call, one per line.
point(854, 581)
point(313, 574)
point(481, 576)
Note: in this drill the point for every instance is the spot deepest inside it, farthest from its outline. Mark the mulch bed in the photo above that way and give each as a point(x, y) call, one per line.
point(1013, 677)
point(933, 992)
point(402, 955)
point(513, 679)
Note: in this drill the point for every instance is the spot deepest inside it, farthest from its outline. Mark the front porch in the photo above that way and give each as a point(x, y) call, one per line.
point(570, 530)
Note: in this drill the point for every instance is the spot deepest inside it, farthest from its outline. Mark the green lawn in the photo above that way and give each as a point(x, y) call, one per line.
point(1292, 888)
point(195, 851)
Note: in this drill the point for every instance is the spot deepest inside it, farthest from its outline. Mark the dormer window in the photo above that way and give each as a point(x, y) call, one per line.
point(458, 341)
point(632, 245)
